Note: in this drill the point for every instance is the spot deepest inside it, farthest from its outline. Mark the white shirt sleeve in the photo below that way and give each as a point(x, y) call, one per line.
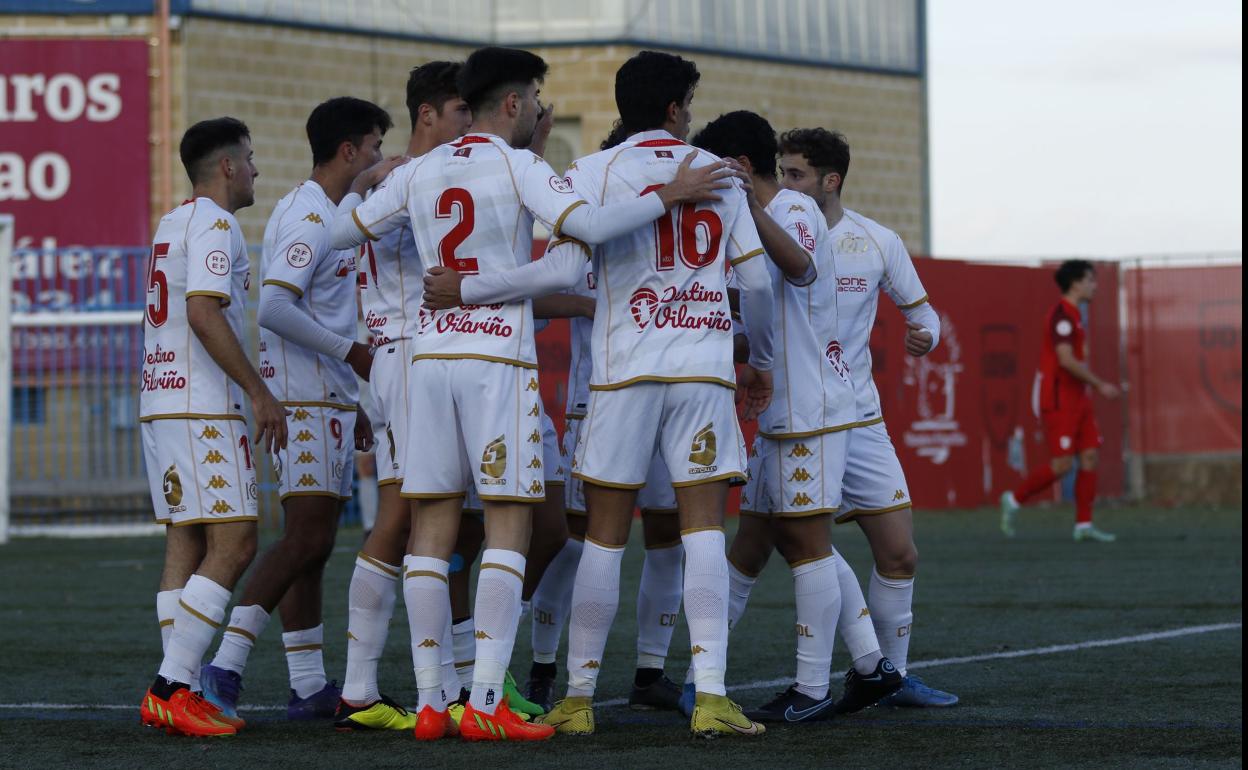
point(799, 223)
point(902, 285)
point(209, 247)
point(384, 210)
point(561, 267)
point(754, 282)
point(555, 202)
point(279, 313)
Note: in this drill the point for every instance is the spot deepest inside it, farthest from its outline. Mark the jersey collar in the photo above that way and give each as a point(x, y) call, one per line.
point(475, 139)
point(655, 138)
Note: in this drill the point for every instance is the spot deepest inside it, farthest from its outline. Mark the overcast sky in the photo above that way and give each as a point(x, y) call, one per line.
point(1088, 127)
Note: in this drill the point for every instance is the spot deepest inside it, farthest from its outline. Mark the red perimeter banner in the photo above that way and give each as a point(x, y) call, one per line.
point(74, 154)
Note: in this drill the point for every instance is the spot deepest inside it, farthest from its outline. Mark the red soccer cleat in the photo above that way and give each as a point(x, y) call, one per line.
point(184, 713)
point(502, 725)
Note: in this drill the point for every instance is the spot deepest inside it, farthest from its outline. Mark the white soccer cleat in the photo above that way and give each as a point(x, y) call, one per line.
point(1009, 510)
point(1090, 532)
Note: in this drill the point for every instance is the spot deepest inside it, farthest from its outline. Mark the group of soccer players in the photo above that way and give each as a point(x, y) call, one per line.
point(692, 271)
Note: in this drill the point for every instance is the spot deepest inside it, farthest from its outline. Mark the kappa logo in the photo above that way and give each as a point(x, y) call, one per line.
point(697, 649)
point(300, 414)
point(800, 451)
point(221, 224)
point(221, 506)
point(173, 486)
point(703, 451)
point(210, 432)
point(306, 480)
point(801, 474)
point(494, 458)
point(534, 412)
point(305, 435)
point(352, 637)
point(535, 438)
point(899, 495)
point(213, 457)
point(592, 664)
point(864, 613)
point(217, 482)
point(427, 643)
point(535, 463)
point(796, 207)
point(532, 384)
point(535, 488)
point(305, 458)
point(801, 498)
point(314, 218)
point(482, 635)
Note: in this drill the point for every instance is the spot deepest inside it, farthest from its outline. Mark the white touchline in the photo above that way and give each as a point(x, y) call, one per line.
point(1050, 650)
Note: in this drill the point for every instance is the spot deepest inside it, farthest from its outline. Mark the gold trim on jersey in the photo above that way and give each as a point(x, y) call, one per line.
point(662, 379)
point(274, 282)
point(356, 218)
point(721, 477)
point(504, 568)
point(389, 569)
point(472, 356)
point(848, 516)
point(217, 294)
point(589, 253)
point(811, 433)
point(869, 423)
point(324, 404)
point(557, 230)
point(607, 484)
point(744, 257)
point(191, 416)
point(314, 493)
point(389, 482)
point(916, 303)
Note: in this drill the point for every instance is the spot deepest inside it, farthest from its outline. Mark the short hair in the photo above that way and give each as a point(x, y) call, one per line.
point(826, 151)
point(202, 140)
point(647, 84)
point(1071, 272)
point(741, 133)
point(343, 119)
point(432, 84)
point(491, 72)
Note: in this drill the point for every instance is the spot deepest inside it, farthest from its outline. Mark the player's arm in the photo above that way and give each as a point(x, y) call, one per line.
point(560, 268)
point(1065, 349)
point(358, 220)
point(784, 243)
point(902, 285)
point(757, 309)
point(563, 306)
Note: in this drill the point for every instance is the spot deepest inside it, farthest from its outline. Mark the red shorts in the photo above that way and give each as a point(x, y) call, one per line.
point(1071, 430)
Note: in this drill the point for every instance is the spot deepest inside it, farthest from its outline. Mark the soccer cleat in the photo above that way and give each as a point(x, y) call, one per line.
point(221, 688)
point(792, 707)
point(220, 716)
point(503, 725)
point(571, 716)
point(662, 693)
point(184, 713)
point(456, 710)
point(716, 715)
point(518, 702)
point(541, 691)
point(1009, 511)
point(688, 696)
point(865, 691)
point(1092, 533)
point(432, 725)
point(384, 714)
point(915, 694)
point(322, 704)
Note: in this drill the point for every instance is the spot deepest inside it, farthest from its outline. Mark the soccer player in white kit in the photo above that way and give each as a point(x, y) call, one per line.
point(195, 445)
point(870, 259)
point(471, 206)
point(309, 355)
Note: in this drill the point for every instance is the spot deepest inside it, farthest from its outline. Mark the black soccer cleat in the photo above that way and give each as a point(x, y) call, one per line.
point(792, 707)
point(865, 691)
point(541, 687)
point(662, 693)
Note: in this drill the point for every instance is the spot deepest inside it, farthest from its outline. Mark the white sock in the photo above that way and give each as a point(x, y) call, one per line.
point(201, 609)
point(739, 587)
point(370, 606)
point(450, 676)
point(595, 599)
point(428, 611)
point(246, 625)
point(706, 607)
point(552, 599)
point(855, 626)
point(496, 614)
point(658, 603)
point(891, 602)
point(166, 608)
point(305, 658)
point(818, 608)
point(464, 641)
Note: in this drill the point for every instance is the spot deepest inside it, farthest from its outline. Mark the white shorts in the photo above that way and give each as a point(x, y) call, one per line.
point(874, 482)
point(692, 425)
point(199, 471)
point(657, 496)
point(552, 465)
point(388, 381)
point(480, 425)
point(319, 458)
point(795, 477)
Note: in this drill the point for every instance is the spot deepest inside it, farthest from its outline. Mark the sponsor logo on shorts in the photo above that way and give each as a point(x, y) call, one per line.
point(801, 499)
point(535, 438)
point(800, 451)
point(899, 495)
point(535, 463)
point(173, 486)
point(218, 482)
point(532, 384)
point(534, 412)
point(214, 457)
point(306, 480)
point(210, 432)
point(494, 458)
point(300, 414)
point(221, 506)
point(801, 474)
point(305, 435)
point(702, 451)
point(305, 458)
point(535, 488)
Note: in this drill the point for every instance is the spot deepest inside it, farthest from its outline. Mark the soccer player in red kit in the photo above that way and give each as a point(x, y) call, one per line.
point(1066, 405)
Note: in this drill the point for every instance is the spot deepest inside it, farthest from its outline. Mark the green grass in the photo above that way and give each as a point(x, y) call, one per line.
point(77, 625)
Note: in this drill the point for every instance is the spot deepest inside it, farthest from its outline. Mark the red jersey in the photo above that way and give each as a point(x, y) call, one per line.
point(1059, 389)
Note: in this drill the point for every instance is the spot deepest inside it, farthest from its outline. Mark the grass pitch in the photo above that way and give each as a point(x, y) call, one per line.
point(78, 629)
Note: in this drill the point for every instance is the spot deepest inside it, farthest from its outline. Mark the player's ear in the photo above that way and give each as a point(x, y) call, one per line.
point(832, 182)
point(745, 163)
point(673, 112)
point(347, 151)
point(425, 114)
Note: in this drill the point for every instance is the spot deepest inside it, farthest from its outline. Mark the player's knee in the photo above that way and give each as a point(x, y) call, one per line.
point(1088, 459)
point(1062, 464)
point(899, 561)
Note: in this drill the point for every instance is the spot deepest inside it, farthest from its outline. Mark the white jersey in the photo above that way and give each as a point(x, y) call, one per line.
point(662, 310)
point(471, 206)
point(297, 256)
point(870, 258)
point(580, 349)
point(198, 251)
point(813, 392)
point(390, 283)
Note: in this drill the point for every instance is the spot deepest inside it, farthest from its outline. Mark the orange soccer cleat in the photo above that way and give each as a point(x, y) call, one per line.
point(432, 725)
point(184, 713)
point(218, 715)
point(503, 725)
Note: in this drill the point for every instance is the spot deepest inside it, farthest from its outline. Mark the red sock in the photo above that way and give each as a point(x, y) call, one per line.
point(1085, 493)
point(1037, 482)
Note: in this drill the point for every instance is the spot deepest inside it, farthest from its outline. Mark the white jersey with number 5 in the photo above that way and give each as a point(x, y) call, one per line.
point(198, 251)
point(471, 206)
point(663, 312)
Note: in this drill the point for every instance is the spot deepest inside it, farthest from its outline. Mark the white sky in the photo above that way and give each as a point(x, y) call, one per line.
point(1085, 127)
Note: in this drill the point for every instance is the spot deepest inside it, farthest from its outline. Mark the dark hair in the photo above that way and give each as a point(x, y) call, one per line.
point(647, 84)
point(432, 84)
point(203, 139)
point(1071, 272)
point(491, 72)
point(826, 151)
point(741, 133)
point(617, 136)
point(342, 119)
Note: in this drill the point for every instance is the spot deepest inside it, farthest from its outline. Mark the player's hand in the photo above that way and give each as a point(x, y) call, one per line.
point(918, 339)
point(374, 174)
point(695, 185)
point(442, 289)
point(363, 432)
point(271, 420)
point(360, 357)
point(541, 132)
point(1108, 390)
point(758, 387)
point(585, 307)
